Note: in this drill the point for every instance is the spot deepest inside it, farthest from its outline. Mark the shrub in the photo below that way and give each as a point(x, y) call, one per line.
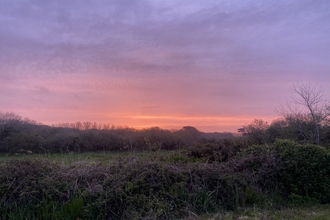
point(130, 190)
point(216, 150)
point(297, 172)
point(305, 172)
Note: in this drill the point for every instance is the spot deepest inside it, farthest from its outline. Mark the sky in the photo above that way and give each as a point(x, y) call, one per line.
point(212, 64)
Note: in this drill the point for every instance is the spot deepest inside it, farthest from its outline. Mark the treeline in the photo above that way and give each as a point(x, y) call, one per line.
point(22, 135)
point(300, 129)
point(305, 118)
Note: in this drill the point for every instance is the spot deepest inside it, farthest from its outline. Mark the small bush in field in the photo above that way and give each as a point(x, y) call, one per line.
point(216, 150)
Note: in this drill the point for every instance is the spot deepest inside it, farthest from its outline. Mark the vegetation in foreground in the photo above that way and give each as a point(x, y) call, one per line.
point(170, 185)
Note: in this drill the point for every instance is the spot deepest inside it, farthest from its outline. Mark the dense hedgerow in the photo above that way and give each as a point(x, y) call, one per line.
point(129, 190)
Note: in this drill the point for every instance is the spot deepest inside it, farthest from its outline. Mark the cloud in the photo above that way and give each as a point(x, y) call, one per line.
point(190, 57)
point(227, 37)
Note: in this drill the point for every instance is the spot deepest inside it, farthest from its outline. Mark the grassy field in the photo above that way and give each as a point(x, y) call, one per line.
point(91, 158)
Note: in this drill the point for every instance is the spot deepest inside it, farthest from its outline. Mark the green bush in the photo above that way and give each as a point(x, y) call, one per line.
point(298, 172)
point(305, 172)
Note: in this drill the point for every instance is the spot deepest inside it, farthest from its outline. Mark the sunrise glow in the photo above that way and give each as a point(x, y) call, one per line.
point(214, 65)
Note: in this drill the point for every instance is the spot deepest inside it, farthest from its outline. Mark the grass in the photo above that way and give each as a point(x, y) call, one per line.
point(87, 158)
point(102, 158)
point(316, 212)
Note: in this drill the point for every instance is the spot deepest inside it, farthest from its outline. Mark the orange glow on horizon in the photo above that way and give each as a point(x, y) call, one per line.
point(140, 121)
point(203, 123)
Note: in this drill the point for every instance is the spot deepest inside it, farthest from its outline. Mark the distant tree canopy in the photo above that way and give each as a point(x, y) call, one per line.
point(21, 135)
point(256, 130)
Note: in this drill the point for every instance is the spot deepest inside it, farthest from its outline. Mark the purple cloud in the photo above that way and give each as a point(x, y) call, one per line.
point(194, 58)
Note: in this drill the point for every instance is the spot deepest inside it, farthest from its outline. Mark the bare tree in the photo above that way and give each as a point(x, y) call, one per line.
point(9, 121)
point(87, 125)
point(308, 97)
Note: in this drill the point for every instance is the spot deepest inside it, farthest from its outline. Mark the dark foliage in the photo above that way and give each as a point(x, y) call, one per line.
point(135, 190)
point(299, 173)
point(19, 135)
point(217, 150)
